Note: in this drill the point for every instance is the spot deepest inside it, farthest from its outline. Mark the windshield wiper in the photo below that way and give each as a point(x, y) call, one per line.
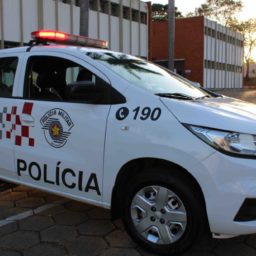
point(203, 97)
point(213, 94)
point(180, 96)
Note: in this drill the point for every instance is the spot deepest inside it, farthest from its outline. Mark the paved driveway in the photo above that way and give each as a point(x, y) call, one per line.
point(246, 95)
point(34, 223)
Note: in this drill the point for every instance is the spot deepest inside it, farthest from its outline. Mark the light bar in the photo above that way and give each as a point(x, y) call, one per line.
point(64, 38)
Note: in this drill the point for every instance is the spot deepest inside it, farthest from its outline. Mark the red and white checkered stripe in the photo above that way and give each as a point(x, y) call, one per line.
point(15, 129)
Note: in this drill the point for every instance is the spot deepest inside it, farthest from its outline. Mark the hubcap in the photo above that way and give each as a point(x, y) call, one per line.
point(158, 215)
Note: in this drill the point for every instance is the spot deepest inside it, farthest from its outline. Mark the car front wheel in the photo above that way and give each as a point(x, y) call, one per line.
point(163, 211)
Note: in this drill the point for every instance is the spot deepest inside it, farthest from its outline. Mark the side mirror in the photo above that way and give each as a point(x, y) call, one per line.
point(197, 85)
point(94, 93)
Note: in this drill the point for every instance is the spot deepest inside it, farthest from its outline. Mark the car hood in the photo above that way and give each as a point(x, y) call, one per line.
point(221, 113)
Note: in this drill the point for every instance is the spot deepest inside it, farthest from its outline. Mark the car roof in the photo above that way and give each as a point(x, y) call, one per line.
point(52, 47)
point(55, 47)
point(13, 50)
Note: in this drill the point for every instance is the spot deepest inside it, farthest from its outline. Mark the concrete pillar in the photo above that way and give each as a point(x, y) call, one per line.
point(84, 17)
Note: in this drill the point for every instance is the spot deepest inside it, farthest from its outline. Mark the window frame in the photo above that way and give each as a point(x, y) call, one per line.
point(16, 80)
point(67, 57)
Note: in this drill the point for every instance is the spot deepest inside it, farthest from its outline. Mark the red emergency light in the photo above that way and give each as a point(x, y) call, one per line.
point(64, 38)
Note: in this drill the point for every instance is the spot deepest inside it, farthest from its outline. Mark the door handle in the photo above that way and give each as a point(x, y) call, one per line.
point(27, 120)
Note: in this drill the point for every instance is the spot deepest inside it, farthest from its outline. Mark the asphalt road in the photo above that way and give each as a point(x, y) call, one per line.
point(246, 95)
point(35, 223)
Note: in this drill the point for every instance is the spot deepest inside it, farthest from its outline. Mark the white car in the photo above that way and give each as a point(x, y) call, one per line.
point(116, 131)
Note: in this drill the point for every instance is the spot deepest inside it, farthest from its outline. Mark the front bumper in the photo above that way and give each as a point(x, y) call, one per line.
point(226, 183)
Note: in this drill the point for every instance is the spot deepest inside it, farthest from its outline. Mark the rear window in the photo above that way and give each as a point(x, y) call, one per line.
point(8, 67)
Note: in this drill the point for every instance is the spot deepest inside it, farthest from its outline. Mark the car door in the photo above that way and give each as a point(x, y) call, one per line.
point(9, 113)
point(62, 148)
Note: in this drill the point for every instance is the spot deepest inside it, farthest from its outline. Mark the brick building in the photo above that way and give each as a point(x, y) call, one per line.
point(205, 51)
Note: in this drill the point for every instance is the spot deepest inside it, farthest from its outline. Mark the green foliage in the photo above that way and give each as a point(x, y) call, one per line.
point(160, 12)
point(222, 11)
point(248, 29)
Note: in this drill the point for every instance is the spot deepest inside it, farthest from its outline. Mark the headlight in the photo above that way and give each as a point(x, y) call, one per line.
point(235, 143)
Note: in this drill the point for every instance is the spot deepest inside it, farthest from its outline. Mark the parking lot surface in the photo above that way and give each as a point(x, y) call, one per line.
point(35, 223)
point(246, 94)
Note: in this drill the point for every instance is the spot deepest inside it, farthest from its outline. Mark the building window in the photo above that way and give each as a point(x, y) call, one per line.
point(205, 63)
point(104, 6)
point(93, 5)
point(239, 69)
point(218, 35)
point(143, 17)
point(231, 40)
point(115, 9)
point(213, 33)
point(209, 31)
point(135, 15)
point(126, 13)
point(205, 30)
point(221, 36)
point(209, 64)
point(222, 66)
point(213, 65)
point(9, 44)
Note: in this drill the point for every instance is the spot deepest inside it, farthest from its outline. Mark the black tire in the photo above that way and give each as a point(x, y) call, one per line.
point(185, 191)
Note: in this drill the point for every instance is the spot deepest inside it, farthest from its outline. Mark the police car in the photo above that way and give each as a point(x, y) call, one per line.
point(116, 131)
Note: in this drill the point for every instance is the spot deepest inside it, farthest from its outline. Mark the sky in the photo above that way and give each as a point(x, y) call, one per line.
point(186, 6)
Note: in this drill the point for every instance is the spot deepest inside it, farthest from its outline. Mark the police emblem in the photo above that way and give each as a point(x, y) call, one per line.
point(57, 125)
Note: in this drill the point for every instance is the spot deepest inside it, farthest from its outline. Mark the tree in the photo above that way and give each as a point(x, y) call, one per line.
point(223, 11)
point(178, 14)
point(248, 29)
point(160, 12)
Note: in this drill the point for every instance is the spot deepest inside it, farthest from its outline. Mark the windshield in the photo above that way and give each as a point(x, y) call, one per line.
point(146, 75)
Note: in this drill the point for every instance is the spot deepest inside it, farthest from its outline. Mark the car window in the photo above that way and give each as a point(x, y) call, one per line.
point(49, 78)
point(8, 68)
point(78, 74)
